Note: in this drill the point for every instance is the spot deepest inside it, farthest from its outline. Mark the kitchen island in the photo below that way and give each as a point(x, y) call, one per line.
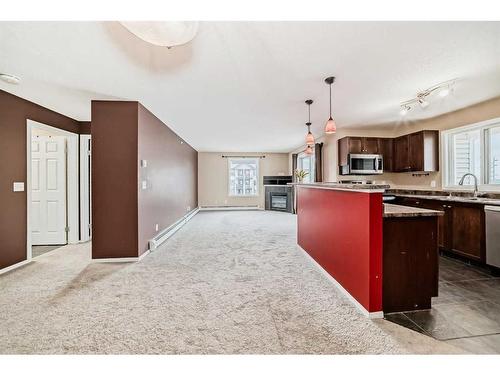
point(344, 229)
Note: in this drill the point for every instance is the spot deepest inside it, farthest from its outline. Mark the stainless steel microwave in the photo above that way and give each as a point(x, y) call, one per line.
point(363, 164)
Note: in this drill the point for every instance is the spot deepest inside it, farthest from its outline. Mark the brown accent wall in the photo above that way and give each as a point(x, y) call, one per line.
point(114, 179)
point(123, 214)
point(171, 174)
point(14, 111)
point(84, 127)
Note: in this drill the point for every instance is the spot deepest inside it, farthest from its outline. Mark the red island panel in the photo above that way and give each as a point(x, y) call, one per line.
point(342, 232)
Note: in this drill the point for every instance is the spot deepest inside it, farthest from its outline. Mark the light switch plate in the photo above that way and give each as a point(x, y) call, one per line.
point(144, 163)
point(144, 185)
point(18, 186)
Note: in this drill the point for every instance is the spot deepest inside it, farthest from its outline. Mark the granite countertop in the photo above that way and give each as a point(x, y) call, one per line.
point(447, 198)
point(365, 188)
point(395, 210)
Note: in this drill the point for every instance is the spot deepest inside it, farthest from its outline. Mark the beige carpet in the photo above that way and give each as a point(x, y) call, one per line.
point(228, 282)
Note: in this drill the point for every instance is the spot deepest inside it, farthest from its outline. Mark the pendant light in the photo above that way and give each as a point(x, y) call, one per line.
point(309, 150)
point(330, 126)
point(309, 136)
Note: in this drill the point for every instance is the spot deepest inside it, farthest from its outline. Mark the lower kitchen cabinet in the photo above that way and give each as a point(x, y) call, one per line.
point(468, 236)
point(410, 263)
point(461, 230)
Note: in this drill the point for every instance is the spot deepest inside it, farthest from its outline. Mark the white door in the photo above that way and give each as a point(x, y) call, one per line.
point(85, 191)
point(48, 190)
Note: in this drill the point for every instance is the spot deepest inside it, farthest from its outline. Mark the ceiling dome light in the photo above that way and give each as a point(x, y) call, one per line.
point(9, 78)
point(330, 126)
point(309, 136)
point(161, 33)
point(309, 150)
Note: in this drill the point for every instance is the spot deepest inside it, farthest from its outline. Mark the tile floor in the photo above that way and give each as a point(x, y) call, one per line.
point(467, 311)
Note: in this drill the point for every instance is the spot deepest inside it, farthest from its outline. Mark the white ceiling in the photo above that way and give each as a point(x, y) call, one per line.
point(241, 86)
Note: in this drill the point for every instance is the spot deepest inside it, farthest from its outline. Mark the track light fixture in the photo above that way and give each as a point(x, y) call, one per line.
point(9, 78)
point(422, 98)
point(404, 110)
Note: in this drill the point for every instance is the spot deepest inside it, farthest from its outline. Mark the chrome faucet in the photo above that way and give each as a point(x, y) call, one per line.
point(461, 182)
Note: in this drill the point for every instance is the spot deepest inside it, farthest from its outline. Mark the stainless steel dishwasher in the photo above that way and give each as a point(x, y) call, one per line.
point(492, 218)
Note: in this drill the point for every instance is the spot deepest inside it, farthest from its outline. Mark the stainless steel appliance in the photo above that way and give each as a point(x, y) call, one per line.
point(368, 164)
point(492, 218)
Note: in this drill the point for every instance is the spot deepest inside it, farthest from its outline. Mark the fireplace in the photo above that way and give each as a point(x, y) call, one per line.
point(279, 201)
point(278, 195)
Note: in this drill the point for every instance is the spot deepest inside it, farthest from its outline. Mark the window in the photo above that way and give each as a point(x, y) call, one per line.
point(472, 149)
point(244, 177)
point(306, 163)
point(494, 155)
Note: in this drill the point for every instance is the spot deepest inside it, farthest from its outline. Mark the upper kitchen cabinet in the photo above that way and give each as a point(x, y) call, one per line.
point(386, 148)
point(417, 152)
point(357, 145)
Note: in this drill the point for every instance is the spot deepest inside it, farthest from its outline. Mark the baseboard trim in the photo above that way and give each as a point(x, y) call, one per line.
point(120, 260)
point(364, 311)
point(14, 266)
point(230, 208)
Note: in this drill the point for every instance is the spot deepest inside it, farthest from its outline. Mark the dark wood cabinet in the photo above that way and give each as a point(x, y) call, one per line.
point(386, 148)
point(461, 230)
point(415, 152)
point(444, 223)
point(468, 239)
point(410, 263)
point(401, 154)
point(357, 145)
point(371, 146)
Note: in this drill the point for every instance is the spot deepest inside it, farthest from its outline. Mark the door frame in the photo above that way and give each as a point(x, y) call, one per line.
point(72, 192)
point(85, 192)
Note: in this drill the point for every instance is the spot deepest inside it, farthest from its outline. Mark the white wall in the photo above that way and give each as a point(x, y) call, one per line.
point(213, 189)
point(476, 113)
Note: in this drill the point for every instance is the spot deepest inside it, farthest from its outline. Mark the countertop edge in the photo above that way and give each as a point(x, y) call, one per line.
point(353, 188)
point(407, 211)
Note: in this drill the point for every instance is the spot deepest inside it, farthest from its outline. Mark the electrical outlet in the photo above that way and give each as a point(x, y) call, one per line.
point(188, 208)
point(144, 185)
point(433, 183)
point(156, 227)
point(144, 163)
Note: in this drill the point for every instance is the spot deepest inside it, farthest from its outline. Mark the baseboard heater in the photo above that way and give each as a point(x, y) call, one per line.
point(228, 208)
point(169, 231)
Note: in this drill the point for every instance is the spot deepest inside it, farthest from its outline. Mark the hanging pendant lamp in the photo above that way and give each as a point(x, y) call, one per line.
point(330, 126)
point(309, 136)
point(309, 150)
